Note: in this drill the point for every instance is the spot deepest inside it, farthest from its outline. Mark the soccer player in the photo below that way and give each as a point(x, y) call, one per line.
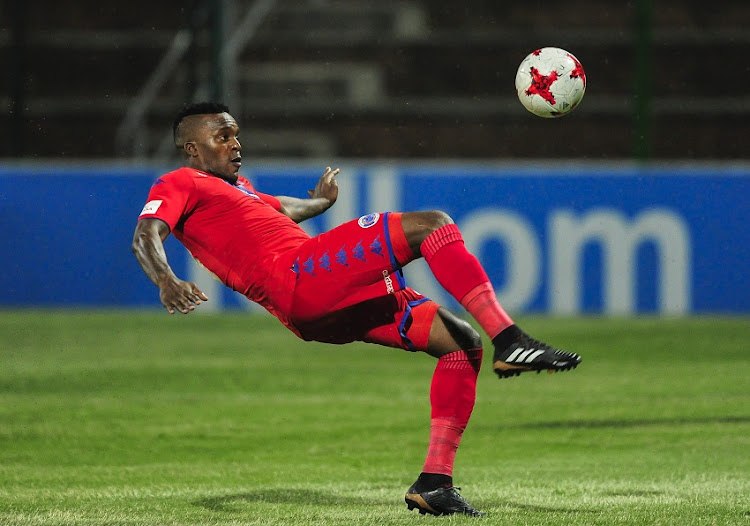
point(341, 286)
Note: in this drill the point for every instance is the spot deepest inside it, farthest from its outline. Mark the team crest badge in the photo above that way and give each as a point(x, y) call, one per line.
point(368, 220)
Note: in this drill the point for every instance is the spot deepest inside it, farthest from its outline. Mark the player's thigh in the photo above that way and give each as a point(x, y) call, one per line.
point(346, 266)
point(423, 325)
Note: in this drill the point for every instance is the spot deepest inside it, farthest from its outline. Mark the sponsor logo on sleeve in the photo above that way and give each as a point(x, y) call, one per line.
point(151, 207)
point(368, 220)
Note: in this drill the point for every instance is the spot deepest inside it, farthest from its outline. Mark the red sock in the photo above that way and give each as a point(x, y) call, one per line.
point(461, 274)
point(452, 394)
point(482, 304)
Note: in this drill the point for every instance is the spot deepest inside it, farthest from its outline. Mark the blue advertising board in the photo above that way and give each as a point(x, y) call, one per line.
point(557, 239)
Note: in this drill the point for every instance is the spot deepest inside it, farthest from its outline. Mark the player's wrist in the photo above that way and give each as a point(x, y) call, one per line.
point(166, 280)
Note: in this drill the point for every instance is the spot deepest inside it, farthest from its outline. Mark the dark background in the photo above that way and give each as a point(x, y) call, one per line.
point(420, 79)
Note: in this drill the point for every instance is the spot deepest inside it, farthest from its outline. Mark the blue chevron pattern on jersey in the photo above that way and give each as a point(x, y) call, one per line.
point(309, 265)
point(325, 261)
point(359, 251)
point(341, 256)
point(376, 247)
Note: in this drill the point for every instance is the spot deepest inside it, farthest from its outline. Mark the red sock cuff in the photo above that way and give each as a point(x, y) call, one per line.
point(444, 235)
point(469, 359)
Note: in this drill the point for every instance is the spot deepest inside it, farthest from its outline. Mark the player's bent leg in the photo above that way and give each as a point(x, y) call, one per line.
point(461, 274)
point(452, 394)
point(421, 325)
point(457, 270)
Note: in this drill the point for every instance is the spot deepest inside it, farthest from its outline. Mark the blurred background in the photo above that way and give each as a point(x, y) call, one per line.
point(374, 79)
point(408, 94)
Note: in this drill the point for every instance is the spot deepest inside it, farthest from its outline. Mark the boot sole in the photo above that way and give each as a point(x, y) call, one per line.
point(415, 501)
point(507, 370)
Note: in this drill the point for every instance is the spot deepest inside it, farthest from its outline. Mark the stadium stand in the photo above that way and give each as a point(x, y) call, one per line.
point(392, 79)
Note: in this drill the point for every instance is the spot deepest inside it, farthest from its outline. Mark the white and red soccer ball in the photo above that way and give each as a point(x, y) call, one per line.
point(550, 82)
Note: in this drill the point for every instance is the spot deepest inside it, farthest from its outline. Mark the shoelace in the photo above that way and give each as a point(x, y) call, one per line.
point(531, 342)
point(455, 490)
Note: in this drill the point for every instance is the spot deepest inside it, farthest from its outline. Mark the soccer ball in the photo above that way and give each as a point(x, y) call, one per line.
point(550, 82)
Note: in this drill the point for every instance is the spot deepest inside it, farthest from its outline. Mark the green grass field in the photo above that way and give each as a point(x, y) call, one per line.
point(123, 418)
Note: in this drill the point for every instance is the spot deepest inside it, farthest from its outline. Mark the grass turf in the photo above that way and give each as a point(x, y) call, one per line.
point(141, 418)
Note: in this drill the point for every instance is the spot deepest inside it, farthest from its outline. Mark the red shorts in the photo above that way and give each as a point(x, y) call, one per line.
point(349, 286)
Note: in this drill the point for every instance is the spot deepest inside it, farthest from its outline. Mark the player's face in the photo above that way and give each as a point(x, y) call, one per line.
point(217, 146)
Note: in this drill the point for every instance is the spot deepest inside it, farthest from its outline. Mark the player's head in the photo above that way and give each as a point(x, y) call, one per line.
point(208, 137)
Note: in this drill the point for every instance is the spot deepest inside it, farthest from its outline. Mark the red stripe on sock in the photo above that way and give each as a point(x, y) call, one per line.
point(482, 304)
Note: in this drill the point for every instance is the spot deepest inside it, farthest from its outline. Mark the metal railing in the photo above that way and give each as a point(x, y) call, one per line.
point(131, 136)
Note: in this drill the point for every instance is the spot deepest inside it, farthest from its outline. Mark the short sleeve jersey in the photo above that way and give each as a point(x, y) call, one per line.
point(233, 230)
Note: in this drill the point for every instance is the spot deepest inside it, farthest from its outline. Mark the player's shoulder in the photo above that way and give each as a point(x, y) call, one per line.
point(181, 177)
point(184, 172)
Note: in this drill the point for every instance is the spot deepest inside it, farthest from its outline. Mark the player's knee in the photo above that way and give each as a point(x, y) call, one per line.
point(435, 219)
point(471, 338)
point(462, 332)
point(419, 225)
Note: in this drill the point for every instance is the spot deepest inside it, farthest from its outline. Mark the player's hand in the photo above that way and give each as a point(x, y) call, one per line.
point(327, 187)
point(180, 295)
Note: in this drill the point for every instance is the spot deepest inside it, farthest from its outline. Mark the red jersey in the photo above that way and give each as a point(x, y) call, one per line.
point(233, 230)
point(340, 286)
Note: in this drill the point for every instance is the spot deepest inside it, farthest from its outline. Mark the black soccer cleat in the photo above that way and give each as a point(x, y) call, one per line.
point(440, 501)
point(524, 353)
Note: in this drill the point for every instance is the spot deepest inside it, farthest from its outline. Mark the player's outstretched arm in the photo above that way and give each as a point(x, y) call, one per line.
point(148, 247)
point(321, 198)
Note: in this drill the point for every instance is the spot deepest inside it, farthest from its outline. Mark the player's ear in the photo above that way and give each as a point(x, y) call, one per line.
point(191, 149)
